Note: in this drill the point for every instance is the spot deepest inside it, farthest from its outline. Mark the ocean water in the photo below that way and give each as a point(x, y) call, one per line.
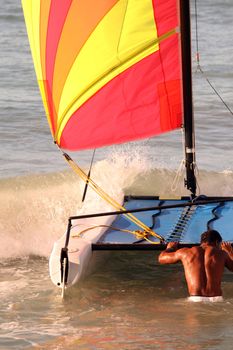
point(130, 302)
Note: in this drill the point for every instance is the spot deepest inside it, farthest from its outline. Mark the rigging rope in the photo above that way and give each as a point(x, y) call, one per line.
point(181, 167)
point(200, 68)
point(88, 177)
point(178, 175)
point(214, 89)
point(109, 199)
point(138, 233)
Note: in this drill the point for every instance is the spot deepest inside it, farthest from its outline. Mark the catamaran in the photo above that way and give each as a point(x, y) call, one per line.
point(110, 72)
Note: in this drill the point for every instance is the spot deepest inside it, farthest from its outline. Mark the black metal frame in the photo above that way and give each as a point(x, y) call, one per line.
point(134, 246)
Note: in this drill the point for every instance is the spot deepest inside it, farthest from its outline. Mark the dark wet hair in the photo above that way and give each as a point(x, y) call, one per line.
point(211, 236)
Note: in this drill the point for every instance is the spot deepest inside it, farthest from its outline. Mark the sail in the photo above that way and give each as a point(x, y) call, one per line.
point(109, 71)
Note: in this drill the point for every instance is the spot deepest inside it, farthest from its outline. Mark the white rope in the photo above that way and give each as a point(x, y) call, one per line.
point(179, 172)
point(180, 169)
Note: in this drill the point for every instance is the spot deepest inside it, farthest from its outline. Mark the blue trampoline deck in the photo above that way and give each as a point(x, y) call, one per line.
point(182, 224)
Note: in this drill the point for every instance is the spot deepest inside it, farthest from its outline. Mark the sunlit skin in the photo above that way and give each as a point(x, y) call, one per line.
point(203, 265)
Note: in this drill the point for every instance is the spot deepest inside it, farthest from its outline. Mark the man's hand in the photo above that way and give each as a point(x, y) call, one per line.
point(172, 245)
point(228, 248)
point(169, 255)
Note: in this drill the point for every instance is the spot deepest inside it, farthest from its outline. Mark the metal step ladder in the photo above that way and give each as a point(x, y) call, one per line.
point(180, 228)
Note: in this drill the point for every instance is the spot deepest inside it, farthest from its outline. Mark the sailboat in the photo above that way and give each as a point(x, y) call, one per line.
point(112, 72)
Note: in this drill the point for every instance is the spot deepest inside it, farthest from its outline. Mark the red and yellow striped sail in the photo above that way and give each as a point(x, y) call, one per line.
point(108, 70)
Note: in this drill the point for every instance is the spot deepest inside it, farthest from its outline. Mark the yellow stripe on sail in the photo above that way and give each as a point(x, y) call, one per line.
point(122, 38)
point(31, 9)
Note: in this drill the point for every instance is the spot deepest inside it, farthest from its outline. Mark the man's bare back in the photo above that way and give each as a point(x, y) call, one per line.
point(203, 265)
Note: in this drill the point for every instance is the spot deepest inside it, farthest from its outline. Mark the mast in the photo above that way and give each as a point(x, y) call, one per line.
point(190, 181)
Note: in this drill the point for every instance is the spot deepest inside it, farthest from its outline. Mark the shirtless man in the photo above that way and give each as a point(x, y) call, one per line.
point(203, 265)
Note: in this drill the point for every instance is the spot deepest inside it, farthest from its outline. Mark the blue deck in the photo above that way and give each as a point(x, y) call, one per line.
point(183, 224)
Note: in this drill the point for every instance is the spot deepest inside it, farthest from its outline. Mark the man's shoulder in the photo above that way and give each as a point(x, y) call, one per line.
point(194, 249)
point(190, 251)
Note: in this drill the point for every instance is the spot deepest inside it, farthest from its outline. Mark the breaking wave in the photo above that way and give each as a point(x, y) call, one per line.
point(34, 209)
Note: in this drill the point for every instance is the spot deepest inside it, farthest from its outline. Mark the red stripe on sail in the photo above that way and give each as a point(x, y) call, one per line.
point(166, 16)
point(57, 17)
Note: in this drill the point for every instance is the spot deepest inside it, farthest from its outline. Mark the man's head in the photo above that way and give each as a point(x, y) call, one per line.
point(211, 237)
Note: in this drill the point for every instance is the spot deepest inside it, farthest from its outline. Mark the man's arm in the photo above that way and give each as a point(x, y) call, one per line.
point(170, 254)
point(227, 247)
